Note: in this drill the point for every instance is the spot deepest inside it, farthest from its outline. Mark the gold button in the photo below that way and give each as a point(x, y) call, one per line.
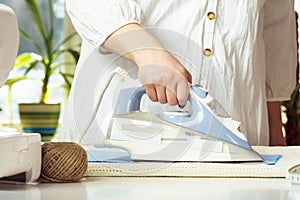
point(207, 52)
point(211, 16)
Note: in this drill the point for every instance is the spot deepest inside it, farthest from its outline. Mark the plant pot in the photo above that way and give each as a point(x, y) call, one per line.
point(39, 118)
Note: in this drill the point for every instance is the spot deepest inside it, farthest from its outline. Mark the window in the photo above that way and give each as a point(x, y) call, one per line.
point(28, 91)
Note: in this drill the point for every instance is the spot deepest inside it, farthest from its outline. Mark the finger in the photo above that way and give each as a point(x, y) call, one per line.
point(189, 77)
point(151, 92)
point(171, 98)
point(184, 73)
point(182, 93)
point(161, 94)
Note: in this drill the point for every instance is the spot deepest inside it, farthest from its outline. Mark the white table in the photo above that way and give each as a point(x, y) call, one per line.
point(156, 188)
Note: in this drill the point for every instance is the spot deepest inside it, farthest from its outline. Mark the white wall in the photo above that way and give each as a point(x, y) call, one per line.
point(297, 5)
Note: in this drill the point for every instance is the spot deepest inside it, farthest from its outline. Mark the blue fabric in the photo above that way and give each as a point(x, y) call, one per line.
point(107, 154)
point(271, 159)
point(116, 155)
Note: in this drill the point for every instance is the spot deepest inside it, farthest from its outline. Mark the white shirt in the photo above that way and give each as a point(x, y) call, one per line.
point(253, 60)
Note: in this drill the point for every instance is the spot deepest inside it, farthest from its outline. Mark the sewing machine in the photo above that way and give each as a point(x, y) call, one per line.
point(20, 154)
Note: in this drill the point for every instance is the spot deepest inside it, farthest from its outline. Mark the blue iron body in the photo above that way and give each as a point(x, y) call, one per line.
point(208, 124)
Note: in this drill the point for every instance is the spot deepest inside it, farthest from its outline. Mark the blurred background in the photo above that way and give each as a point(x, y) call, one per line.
point(29, 90)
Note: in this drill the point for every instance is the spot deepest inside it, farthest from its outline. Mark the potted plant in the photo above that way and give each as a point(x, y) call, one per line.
point(42, 117)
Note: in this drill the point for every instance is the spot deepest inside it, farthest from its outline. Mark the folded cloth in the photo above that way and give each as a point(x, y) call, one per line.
point(108, 154)
point(284, 157)
point(115, 155)
point(270, 159)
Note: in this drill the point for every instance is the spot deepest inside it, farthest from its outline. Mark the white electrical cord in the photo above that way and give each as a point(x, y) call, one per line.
point(116, 71)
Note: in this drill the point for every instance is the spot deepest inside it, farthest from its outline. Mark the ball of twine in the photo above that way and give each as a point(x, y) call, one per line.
point(63, 162)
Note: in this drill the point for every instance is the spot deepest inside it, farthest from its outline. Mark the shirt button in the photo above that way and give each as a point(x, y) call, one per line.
point(211, 16)
point(207, 52)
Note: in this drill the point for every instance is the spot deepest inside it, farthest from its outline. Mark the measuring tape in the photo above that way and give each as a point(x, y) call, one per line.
point(294, 174)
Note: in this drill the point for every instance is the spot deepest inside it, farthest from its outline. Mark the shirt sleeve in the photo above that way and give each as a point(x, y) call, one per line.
point(280, 49)
point(96, 20)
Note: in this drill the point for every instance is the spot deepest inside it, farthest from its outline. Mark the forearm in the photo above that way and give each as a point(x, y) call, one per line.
point(164, 78)
point(133, 43)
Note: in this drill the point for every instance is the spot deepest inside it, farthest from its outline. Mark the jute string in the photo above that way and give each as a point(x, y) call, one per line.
point(63, 162)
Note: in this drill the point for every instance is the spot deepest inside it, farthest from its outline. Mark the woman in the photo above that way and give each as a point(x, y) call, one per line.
point(241, 55)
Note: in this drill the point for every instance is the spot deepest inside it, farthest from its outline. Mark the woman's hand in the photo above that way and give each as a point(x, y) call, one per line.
point(164, 78)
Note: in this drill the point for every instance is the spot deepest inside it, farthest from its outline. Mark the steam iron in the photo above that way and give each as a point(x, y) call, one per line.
point(195, 135)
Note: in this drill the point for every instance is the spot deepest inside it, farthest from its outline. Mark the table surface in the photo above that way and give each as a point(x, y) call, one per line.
point(93, 188)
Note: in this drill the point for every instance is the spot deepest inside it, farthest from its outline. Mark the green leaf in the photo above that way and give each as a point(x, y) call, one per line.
point(68, 75)
point(75, 54)
point(63, 42)
point(67, 81)
point(38, 20)
point(31, 66)
point(51, 22)
point(25, 60)
point(11, 81)
point(32, 41)
point(56, 65)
